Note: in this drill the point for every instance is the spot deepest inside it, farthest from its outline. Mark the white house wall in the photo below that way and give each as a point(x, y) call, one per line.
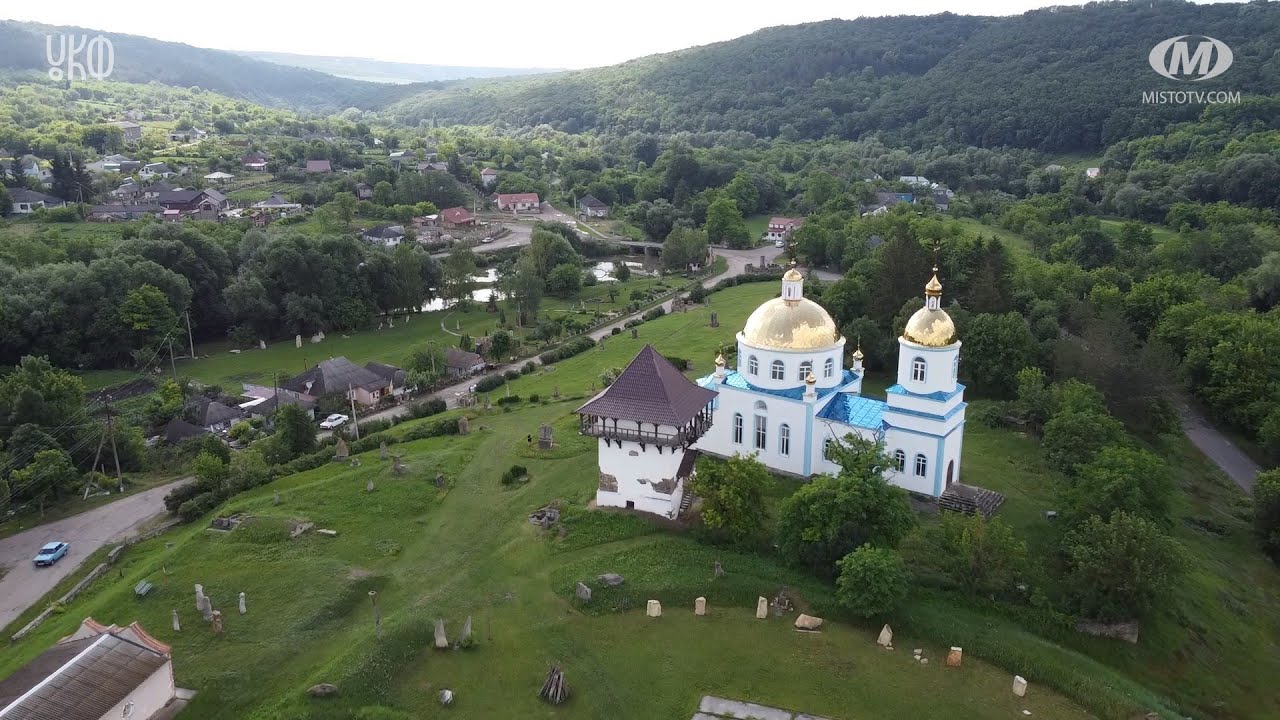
point(148, 698)
point(630, 464)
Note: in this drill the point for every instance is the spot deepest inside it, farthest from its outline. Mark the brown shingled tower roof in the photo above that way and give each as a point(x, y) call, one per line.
point(650, 390)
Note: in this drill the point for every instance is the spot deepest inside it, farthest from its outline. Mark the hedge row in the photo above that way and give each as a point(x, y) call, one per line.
point(576, 346)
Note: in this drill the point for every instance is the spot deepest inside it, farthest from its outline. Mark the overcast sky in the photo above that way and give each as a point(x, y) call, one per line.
point(495, 33)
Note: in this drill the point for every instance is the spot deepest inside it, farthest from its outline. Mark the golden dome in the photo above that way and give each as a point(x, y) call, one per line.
point(932, 328)
point(793, 275)
point(791, 325)
point(933, 288)
point(810, 379)
point(857, 354)
point(720, 360)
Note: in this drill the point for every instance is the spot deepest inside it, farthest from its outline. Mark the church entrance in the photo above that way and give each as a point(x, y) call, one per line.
point(951, 469)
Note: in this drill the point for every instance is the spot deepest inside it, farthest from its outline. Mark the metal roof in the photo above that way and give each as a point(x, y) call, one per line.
point(78, 680)
point(855, 410)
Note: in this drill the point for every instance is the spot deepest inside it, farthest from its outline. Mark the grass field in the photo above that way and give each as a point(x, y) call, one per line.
point(1019, 247)
point(467, 550)
point(756, 225)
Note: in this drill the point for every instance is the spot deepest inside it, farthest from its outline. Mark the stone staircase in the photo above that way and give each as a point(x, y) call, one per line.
point(686, 502)
point(969, 499)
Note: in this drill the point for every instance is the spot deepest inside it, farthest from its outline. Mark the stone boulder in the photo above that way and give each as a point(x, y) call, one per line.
point(322, 690)
point(611, 579)
point(583, 592)
point(808, 622)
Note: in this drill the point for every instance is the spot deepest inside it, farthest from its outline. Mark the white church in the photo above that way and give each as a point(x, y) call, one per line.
point(788, 398)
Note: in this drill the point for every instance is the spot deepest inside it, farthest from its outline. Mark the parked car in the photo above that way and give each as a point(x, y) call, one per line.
point(51, 553)
point(487, 240)
point(780, 243)
point(333, 421)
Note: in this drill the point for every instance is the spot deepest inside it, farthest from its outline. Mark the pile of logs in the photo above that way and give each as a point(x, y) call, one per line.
point(554, 690)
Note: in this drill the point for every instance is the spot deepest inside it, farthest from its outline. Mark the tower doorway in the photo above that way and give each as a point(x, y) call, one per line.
point(951, 469)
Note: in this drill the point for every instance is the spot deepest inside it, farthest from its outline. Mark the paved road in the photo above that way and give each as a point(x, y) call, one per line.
point(25, 584)
point(737, 261)
point(1237, 465)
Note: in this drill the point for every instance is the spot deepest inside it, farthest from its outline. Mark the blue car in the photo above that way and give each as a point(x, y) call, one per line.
point(51, 553)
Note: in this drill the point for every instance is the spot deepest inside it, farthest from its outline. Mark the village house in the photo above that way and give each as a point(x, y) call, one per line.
point(400, 156)
point(915, 180)
point(428, 167)
point(591, 206)
point(277, 202)
point(30, 166)
point(211, 414)
point(27, 201)
point(191, 135)
point(151, 171)
point(339, 376)
point(364, 191)
point(488, 177)
point(391, 374)
point(254, 162)
point(519, 202)
point(197, 204)
point(132, 131)
point(122, 212)
point(385, 235)
point(319, 166)
point(115, 163)
point(218, 178)
point(151, 193)
point(1093, 172)
point(100, 672)
point(460, 363)
point(457, 217)
point(128, 192)
point(781, 228)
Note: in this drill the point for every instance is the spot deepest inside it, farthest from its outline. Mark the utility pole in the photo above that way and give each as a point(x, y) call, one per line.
point(115, 452)
point(355, 422)
point(172, 366)
point(190, 339)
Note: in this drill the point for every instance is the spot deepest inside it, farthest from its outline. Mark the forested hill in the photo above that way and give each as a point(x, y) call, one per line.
point(142, 60)
point(1055, 79)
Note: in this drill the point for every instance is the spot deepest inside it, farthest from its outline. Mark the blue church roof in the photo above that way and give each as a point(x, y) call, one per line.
point(939, 395)
point(734, 379)
point(855, 410)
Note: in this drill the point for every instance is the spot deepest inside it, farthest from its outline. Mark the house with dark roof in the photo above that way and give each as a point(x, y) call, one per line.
point(646, 422)
point(199, 204)
point(319, 166)
point(364, 191)
point(488, 177)
point(460, 363)
point(178, 430)
point(212, 414)
point(457, 217)
point(277, 202)
point(392, 374)
point(27, 201)
point(385, 235)
point(519, 202)
point(254, 161)
point(591, 206)
point(132, 131)
point(122, 212)
point(340, 376)
point(98, 672)
point(155, 170)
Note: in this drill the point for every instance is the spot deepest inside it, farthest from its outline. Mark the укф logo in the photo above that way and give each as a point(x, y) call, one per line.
point(1174, 59)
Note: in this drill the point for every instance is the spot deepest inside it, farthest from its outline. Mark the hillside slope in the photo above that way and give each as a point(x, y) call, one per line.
point(387, 72)
point(1060, 79)
point(143, 60)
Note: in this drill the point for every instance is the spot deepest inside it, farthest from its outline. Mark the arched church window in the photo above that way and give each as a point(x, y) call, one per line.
point(899, 460)
point(737, 428)
point(806, 367)
point(784, 439)
point(827, 446)
point(917, 369)
point(922, 465)
point(828, 368)
point(761, 435)
point(760, 406)
point(776, 371)
point(753, 365)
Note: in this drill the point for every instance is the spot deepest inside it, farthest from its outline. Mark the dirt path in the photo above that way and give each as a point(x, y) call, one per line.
point(24, 583)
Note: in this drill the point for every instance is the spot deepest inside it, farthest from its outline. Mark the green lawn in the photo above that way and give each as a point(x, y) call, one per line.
point(1019, 247)
point(756, 225)
point(468, 550)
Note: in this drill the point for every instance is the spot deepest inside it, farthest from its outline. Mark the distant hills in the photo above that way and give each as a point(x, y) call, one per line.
point(1058, 79)
point(141, 60)
point(387, 72)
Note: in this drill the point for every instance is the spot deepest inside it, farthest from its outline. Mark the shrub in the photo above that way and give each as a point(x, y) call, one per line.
point(616, 331)
point(509, 400)
point(1072, 439)
point(514, 473)
point(654, 313)
point(489, 382)
point(681, 364)
point(199, 506)
point(1117, 568)
point(577, 346)
point(638, 294)
point(511, 374)
point(873, 581)
point(180, 495)
point(1266, 512)
point(697, 293)
point(528, 367)
point(428, 407)
point(533, 398)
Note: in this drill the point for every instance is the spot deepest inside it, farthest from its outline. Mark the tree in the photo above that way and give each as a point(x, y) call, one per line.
point(344, 207)
point(38, 393)
point(500, 344)
point(565, 281)
point(459, 269)
point(524, 287)
point(684, 247)
point(1266, 512)
point(733, 497)
point(621, 271)
point(995, 348)
point(384, 193)
point(549, 250)
point(6, 202)
point(872, 581)
point(846, 299)
point(742, 189)
point(146, 312)
point(50, 474)
point(1034, 399)
point(829, 517)
point(725, 225)
point(1072, 439)
point(294, 435)
point(210, 470)
point(1120, 478)
point(1116, 568)
point(165, 404)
